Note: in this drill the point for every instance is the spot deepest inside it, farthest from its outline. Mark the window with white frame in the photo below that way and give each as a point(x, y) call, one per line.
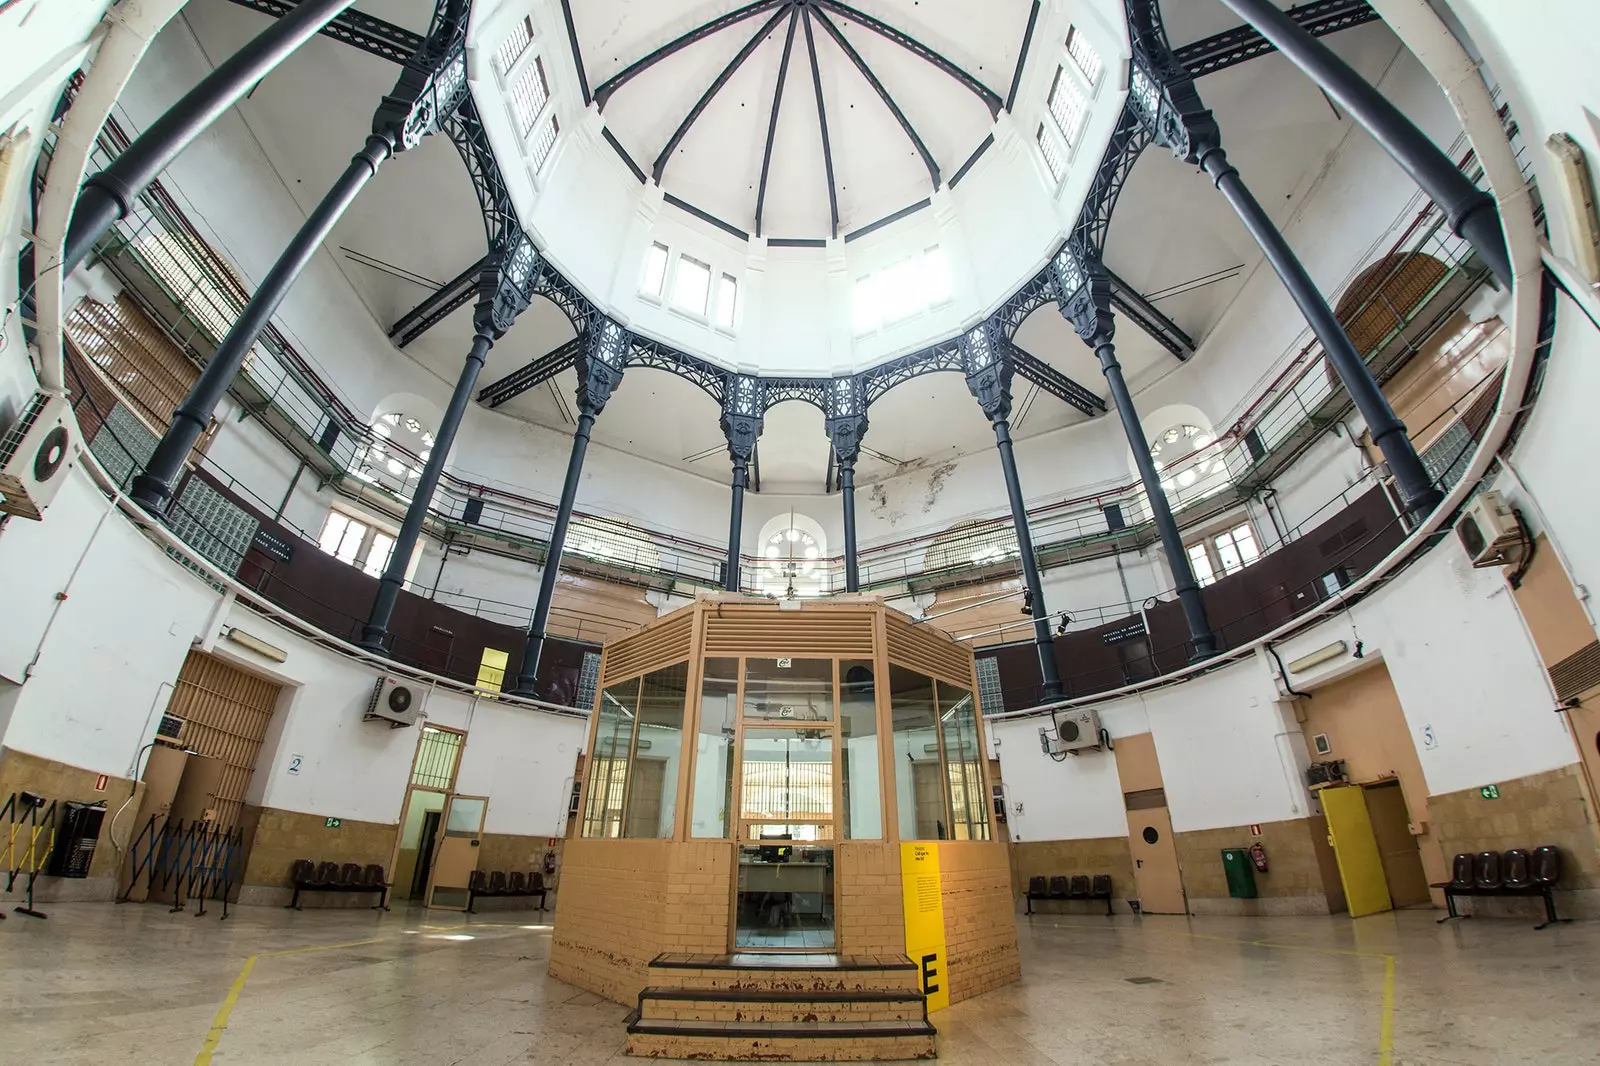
point(691, 285)
point(1084, 56)
point(654, 279)
point(1224, 553)
point(727, 302)
point(901, 291)
point(1069, 106)
point(1052, 155)
point(527, 92)
point(544, 139)
point(358, 543)
point(1077, 79)
point(517, 42)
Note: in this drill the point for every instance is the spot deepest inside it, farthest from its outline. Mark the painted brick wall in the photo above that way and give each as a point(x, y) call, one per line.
point(980, 928)
point(869, 913)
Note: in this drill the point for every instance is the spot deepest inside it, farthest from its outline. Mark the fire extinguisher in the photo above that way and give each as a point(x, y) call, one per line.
point(550, 861)
point(1258, 855)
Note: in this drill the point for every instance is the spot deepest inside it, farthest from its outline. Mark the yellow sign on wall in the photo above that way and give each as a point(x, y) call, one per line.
point(922, 892)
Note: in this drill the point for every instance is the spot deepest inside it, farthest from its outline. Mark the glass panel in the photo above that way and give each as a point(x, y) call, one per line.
point(858, 723)
point(378, 554)
point(1069, 105)
point(658, 747)
point(492, 669)
point(332, 532)
point(787, 831)
point(727, 301)
point(543, 141)
point(798, 690)
point(1227, 554)
point(1052, 155)
point(608, 763)
point(1201, 563)
point(787, 774)
point(437, 753)
point(918, 789)
point(713, 764)
point(465, 817)
point(1083, 54)
point(1245, 540)
point(969, 813)
point(692, 285)
point(655, 270)
point(785, 895)
point(528, 96)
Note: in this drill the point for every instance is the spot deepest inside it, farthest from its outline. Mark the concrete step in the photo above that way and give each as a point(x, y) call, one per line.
point(762, 1005)
point(782, 1042)
point(786, 973)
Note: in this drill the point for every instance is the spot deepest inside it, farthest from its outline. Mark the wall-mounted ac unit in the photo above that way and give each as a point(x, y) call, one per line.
point(1487, 529)
point(1325, 773)
point(35, 455)
point(398, 701)
point(1076, 730)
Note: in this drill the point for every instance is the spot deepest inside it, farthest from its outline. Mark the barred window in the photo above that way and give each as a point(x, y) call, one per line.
point(516, 43)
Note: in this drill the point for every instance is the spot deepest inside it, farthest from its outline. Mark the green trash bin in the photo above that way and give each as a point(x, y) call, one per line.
point(1241, 873)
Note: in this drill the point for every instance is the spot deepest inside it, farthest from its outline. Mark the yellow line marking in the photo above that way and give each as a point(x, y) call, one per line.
point(1385, 1017)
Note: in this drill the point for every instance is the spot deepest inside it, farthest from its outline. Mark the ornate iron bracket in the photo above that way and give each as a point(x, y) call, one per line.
point(743, 405)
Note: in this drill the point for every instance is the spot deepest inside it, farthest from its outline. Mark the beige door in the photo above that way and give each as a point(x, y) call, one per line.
point(1155, 862)
point(455, 857)
point(1402, 862)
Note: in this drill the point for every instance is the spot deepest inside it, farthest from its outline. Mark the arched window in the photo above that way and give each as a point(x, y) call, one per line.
point(1191, 463)
point(794, 553)
point(401, 444)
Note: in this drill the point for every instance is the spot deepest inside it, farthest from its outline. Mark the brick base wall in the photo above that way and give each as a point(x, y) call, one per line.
point(1063, 858)
point(980, 929)
point(1302, 877)
point(61, 782)
point(869, 916)
point(280, 837)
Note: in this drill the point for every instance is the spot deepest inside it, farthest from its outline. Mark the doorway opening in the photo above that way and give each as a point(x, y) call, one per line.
point(1380, 863)
point(433, 779)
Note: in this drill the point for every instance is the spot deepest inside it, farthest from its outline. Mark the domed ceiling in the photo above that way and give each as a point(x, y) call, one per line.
point(800, 119)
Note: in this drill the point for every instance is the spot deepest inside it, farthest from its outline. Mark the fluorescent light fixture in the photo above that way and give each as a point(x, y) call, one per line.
point(1318, 657)
point(257, 645)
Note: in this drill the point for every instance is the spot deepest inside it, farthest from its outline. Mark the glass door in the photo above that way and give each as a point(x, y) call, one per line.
point(788, 796)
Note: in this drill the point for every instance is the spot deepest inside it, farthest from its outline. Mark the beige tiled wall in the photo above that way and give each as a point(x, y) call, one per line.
point(1301, 876)
point(1063, 858)
point(980, 928)
point(281, 837)
point(57, 781)
point(869, 914)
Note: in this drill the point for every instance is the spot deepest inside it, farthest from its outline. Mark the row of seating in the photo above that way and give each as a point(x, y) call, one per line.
point(495, 884)
point(308, 876)
point(1078, 886)
point(1514, 873)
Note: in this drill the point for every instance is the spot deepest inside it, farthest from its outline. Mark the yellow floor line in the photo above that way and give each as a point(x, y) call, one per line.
point(1385, 1017)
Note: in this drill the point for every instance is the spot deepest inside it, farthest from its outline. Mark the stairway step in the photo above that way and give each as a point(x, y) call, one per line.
point(786, 973)
point(805, 1042)
point(788, 1007)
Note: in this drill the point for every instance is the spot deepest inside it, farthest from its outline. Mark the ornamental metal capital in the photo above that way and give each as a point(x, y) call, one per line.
point(846, 417)
point(432, 83)
point(988, 369)
point(505, 286)
point(1161, 92)
point(743, 407)
point(1083, 292)
point(600, 365)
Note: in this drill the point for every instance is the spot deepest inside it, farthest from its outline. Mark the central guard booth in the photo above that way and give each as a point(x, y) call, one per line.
point(784, 844)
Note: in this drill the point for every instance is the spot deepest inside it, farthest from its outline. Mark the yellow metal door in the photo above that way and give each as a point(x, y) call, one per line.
point(455, 857)
point(1366, 890)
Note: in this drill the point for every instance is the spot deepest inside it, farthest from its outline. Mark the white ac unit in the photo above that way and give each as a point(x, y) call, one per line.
point(398, 701)
point(1487, 528)
point(35, 455)
point(1076, 730)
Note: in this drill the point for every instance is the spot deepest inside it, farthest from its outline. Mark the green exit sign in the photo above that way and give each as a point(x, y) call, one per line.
point(334, 823)
point(1490, 792)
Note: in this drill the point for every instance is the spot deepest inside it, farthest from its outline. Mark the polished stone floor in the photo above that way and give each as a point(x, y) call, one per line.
point(99, 984)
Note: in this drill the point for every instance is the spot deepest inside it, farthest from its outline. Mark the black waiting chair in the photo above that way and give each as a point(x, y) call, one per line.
point(1486, 871)
point(307, 876)
point(1078, 887)
point(1514, 873)
point(1059, 889)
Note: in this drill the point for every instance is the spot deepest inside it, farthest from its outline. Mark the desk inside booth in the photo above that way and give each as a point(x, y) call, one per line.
point(805, 883)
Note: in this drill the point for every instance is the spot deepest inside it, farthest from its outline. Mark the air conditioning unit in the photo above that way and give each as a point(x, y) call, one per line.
point(1074, 731)
point(1487, 528)
point(396, 700)
point(35, 455)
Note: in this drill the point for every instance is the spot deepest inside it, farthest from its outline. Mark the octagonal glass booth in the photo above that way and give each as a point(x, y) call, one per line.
point(751, 774)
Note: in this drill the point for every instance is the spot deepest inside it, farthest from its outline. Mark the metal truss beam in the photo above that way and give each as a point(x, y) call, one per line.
point(531, 376)
point(772, 124)
point(1031, 368)
point(813, 391)
point(944, 356)
point(1144, 314)
point(372, 35)
point(710, 94)
point(657, 356)
point(438, 306)
point(1232, 47)
point(883, 94)
point(990, 98)
point(605, 89)
point(822, 120)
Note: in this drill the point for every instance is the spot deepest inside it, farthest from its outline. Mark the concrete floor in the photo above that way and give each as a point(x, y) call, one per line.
point(134, 984)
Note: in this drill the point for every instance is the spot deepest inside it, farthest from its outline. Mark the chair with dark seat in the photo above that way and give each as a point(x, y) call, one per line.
point(1038, 888)
point(477, 885)
point(1059, 889)
point(1486, 871)
point(1515, 870)
point(350, 875)
point(1100, 888)
point(307, 876)
point(373, 879)
point(536, 887)
point(1515, 873)
point(1462, 876)
point(497, 883)
point(1078, 887)
point(1546, 865)
point(327, 875)
point(518, 884)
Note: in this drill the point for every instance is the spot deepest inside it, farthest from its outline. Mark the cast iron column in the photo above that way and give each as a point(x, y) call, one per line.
point(505, 288)
point(109, 195)
point(846, 425)
point(1472, 212)
point(1085, 301)
point(1161, 94)
point(431, 85)
point(600, 367)
point(743, 410)
point(988, 373)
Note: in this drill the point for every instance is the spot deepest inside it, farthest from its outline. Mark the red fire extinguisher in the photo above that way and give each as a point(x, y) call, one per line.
point(550, 862)
point(1258, 855)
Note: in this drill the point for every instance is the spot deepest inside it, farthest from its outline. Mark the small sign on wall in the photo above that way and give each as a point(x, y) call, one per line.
point(1430, 739)
point(1255, 829)
point(331, 823)
point(1490, 792)
point(101, 782)
point(295, 762)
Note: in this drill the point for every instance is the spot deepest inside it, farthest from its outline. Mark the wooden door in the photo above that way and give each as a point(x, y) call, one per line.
point(1366, 890)
point(455, 855)
point(1397, 848)
point(1155, 862)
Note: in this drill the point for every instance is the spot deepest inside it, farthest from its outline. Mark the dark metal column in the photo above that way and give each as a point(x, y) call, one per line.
point(1161, 94)
point(109, 195)
point(153, 488)
point(846, 426)
point(600, 367)
point(1085, 301)
point(505, 288)
point(989, 373)
point(431, 85)
point(1472, 212)
point(743, 410)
